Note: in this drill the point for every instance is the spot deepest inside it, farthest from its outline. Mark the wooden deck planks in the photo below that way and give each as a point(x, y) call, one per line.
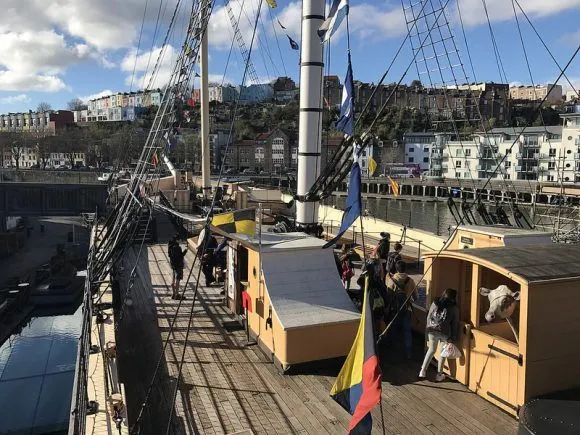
point(228, 387)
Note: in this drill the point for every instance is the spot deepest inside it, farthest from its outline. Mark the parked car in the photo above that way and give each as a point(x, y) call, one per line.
point(249, 172)
point(105, 176)
point(229, 171)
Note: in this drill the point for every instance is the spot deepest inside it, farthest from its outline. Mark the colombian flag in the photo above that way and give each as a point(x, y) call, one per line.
point(358, 385)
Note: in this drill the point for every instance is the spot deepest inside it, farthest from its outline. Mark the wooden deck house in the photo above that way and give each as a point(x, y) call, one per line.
point(481, 236)
point(546, 318)
point(298, 309)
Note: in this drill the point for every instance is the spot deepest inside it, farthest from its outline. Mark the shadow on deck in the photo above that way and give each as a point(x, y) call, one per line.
point(226, 386)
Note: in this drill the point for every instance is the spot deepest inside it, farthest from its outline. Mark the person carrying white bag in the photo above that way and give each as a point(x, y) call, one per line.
point(442, 326)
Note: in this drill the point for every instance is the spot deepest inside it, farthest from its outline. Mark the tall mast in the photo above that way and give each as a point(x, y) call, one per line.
point(205, 169)
point(310, 121)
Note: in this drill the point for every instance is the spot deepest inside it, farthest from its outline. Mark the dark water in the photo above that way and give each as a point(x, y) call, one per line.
point(436, 217)
point(37, 373)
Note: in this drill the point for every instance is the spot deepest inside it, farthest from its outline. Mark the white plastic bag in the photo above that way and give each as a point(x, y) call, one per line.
point(450, 351)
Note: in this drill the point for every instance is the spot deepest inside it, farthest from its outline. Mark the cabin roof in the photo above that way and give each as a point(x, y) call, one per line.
point(530, 262)
point(279, 241)
point(502, 231)
point(304, 288)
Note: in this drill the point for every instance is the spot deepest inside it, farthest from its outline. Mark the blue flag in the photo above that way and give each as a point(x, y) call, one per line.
point(346, 121)
point(353, 206)
point(293, 44)
point(338, 11)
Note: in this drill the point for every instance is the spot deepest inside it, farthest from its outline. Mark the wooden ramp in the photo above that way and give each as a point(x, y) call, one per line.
point(227, 387)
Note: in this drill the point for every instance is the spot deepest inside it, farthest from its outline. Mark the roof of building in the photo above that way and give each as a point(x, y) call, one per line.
point(553, 129)
point(530, 262)
point(501, 231)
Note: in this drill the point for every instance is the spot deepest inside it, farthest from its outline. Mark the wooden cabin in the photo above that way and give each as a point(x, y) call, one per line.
point(546, 317)
point(299, 311)
point(481, 236)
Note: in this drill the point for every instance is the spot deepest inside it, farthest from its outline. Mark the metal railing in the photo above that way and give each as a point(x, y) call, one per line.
point(80, 404)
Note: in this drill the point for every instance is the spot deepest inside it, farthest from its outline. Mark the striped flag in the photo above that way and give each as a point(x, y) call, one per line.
point(394, 186)
point(346, 121)
point(238, 221)
point(358, 385)
point(338, 11)
point(272, 3)
point(372, 166)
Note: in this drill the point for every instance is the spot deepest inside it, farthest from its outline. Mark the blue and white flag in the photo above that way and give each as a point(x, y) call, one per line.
point(338, 11)
point(353, 205)
point(293, 44)
point(346, 121)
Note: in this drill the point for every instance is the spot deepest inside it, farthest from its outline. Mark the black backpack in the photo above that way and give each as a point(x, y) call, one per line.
point(438, 320)
point(394, 258)
point(384, 245)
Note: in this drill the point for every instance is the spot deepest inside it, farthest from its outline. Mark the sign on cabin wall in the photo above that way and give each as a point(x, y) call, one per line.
point(466, 240)
point(231, 275)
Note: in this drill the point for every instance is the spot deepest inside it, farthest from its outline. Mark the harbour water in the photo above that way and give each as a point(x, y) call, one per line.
point(37, 368)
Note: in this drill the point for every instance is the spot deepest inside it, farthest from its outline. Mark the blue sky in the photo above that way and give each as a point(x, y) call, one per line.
point(84, 48)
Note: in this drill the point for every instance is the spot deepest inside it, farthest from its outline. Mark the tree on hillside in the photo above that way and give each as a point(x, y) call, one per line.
point(76, 104)
point(17, 148)
point(43, 106)
point(45, 145)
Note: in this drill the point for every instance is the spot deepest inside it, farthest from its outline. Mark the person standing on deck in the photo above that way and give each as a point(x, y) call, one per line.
point(393, 258)
point(381, 252)
point(176, 256)
point(404, 294)
point(442, 326)
point(208, 259)
point(346, 272)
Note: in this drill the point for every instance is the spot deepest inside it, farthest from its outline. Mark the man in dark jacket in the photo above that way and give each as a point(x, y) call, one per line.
point(176, 256)
point(381, 252)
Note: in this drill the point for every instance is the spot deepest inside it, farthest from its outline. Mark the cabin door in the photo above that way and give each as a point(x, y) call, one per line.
point(494, 370)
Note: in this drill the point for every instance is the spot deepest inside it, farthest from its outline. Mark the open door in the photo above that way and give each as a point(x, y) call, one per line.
point(457, 274)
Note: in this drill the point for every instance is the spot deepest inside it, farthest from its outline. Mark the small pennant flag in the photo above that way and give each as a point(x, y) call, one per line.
point(272, 3)
point(394, 186)
point(246, 301)
point(281, 25)
point(346, 121)
point(372, 166)
point(155, 159)
point(239, 221)
point(293, 44)
point(338, 11)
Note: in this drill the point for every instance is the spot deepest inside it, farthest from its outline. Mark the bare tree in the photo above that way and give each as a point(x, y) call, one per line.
point(17, 149)
point(43, 106)
point(45, 145)
point(76, 104)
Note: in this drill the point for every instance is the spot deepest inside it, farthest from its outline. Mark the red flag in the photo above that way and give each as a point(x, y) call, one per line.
point(246, 301)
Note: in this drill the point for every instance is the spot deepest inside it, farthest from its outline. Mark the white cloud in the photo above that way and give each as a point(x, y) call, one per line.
point(103, 93)
point(43, 51)
point(366, 21)
point(144, 64)
point(20, 81)
point(473, 13)
point(571, 38)
point(20, 98)
point(220, 27)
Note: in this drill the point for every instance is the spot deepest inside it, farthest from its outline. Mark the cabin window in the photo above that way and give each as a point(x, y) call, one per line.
point(491, 279)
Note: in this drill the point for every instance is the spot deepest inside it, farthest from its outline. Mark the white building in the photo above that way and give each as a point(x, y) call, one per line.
point(549, 154)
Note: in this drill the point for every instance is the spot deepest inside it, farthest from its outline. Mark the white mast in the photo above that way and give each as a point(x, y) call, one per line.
point(310, 121)
point(205, 157)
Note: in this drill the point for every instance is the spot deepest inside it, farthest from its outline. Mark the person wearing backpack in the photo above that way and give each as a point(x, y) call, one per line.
point(381, 251)
point(442, 326)
point(393, 259)
point(404, 292)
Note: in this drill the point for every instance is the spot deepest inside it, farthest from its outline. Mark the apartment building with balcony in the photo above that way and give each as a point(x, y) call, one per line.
point(126, 106)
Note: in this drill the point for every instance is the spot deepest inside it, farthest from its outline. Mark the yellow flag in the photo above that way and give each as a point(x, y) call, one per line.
point(372, 166)
point(272, 3)
point(394, 186)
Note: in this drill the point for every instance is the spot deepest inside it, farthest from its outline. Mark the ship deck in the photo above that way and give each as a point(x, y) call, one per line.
point(228, 387)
